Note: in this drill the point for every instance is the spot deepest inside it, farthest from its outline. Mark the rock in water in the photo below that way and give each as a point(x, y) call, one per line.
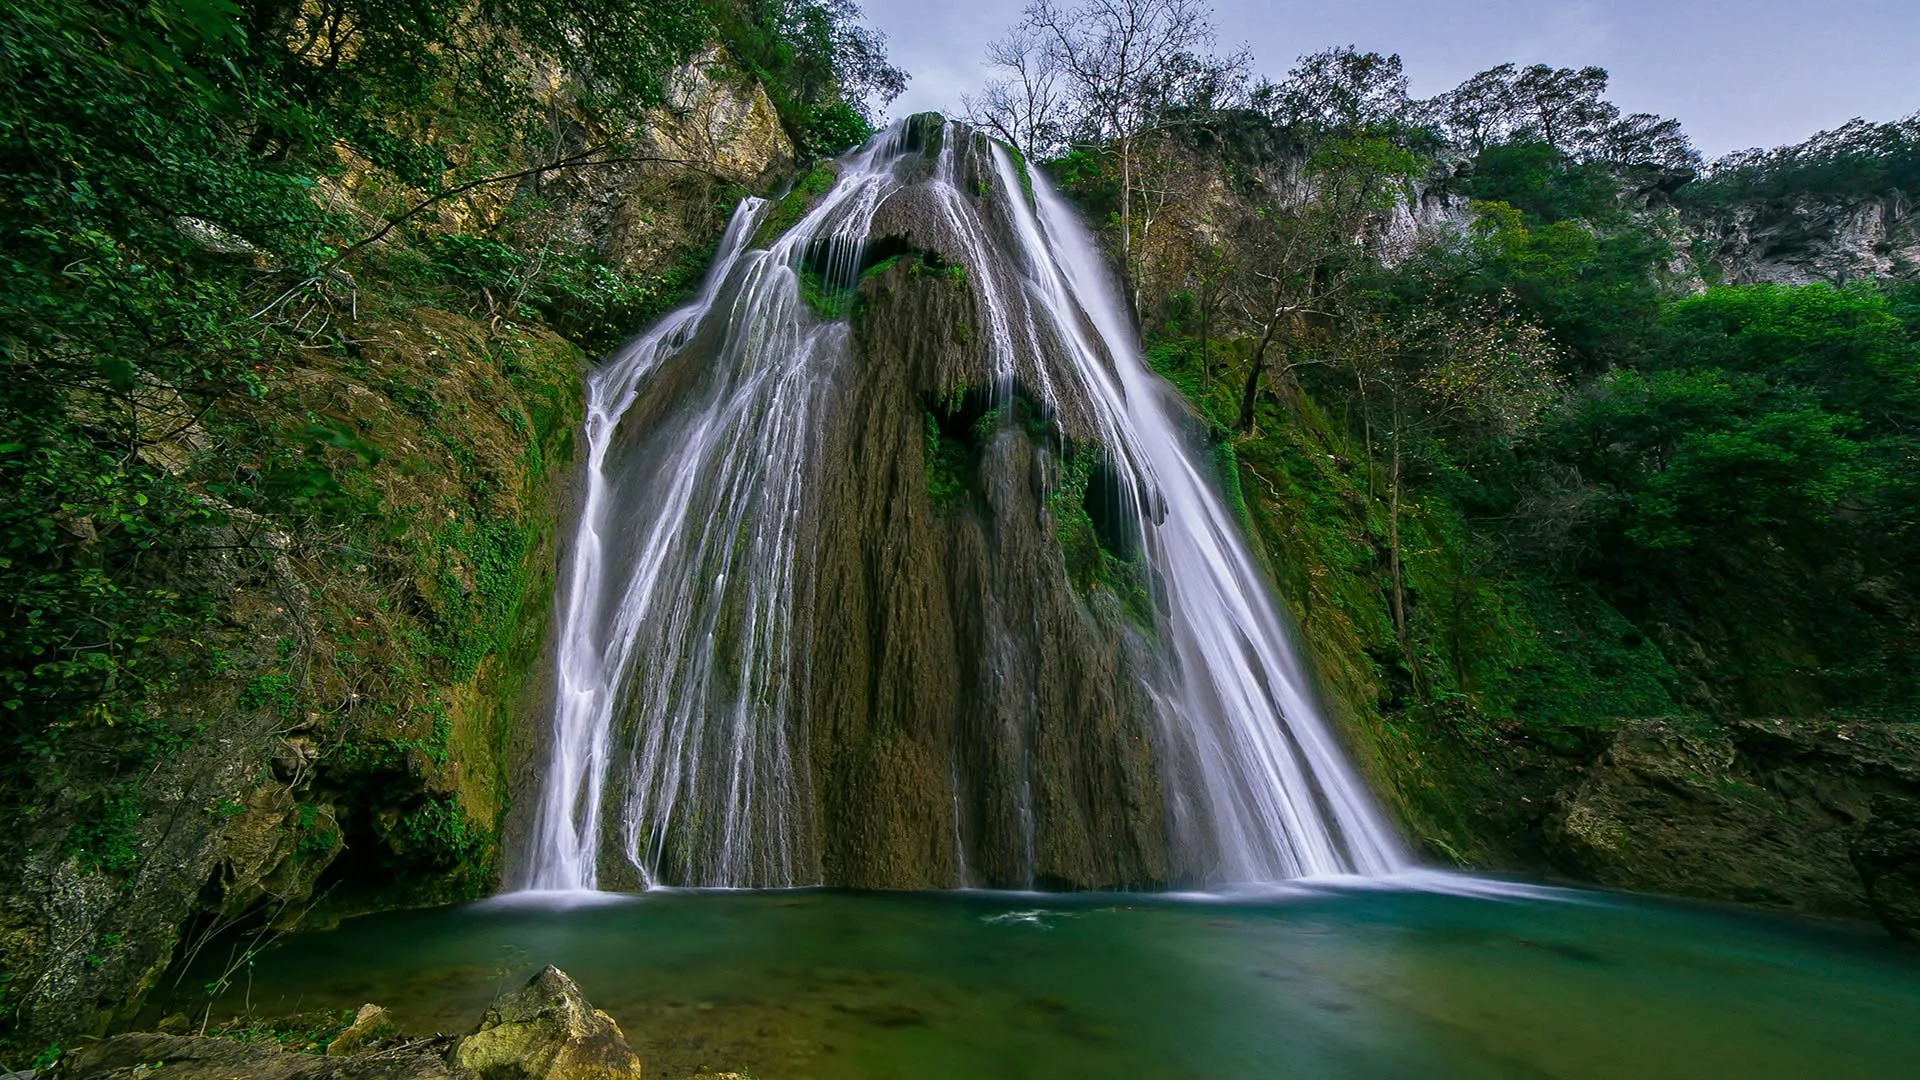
point(548, 1031)
point(1886, 852)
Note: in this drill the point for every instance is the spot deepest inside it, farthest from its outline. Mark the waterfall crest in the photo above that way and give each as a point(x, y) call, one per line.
point(896, 567)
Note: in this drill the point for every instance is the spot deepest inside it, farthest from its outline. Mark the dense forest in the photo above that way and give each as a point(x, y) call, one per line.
point(1571, 453)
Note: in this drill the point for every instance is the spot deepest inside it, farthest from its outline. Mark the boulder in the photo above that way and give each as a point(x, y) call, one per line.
point(547, 1031)
point(372, 1026)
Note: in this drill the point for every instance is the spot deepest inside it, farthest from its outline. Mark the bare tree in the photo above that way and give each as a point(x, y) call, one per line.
point(1123, 61)
point(1027, 105)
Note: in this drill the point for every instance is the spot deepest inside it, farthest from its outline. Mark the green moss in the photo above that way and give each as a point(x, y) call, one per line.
point(1021, 170)
point(305, 1033)
point(793, 206)
point(827, 300)
point(1091, 563)
point(107, 835)
point(949, 466)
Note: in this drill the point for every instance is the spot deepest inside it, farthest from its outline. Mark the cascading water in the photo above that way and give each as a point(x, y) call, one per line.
point(691, 631)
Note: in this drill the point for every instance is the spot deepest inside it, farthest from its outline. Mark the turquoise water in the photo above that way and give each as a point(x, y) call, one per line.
point(1316, 983)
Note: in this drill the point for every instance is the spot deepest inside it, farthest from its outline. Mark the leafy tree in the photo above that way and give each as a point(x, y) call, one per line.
point(1564, 108)
point(1859, 159)
point(1340, 90)
point(1299, 258)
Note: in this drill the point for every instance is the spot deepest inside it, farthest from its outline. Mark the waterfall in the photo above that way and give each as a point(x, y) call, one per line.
point(679, 752)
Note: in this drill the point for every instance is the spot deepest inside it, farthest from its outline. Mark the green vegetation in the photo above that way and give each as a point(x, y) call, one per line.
point(1100, 552)
point(1529, 477)
point(793, 206)
point(295, 305)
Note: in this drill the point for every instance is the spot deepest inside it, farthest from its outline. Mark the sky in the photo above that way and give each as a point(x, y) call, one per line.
point(1737, 73)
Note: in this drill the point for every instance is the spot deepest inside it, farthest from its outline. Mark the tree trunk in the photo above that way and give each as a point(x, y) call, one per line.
point(1206, 318)
point(1256, 366)
point(1393, 545)
point(1397, 571)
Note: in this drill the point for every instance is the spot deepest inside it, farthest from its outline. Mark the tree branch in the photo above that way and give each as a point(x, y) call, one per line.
point(582, 160)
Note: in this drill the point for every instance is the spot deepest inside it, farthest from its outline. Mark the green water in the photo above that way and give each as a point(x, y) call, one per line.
point(1326, 983)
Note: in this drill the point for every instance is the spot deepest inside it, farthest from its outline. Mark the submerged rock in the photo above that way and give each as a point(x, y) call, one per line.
point(548, 1031)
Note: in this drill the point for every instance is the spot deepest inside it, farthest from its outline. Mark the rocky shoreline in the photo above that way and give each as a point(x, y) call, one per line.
point(546, 1030)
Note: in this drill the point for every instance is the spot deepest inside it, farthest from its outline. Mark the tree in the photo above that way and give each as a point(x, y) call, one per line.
point(1299, 255)
point(1563, 108)
point(1340, 90)
point(1482, 372)
point(1127, 64)
point(1026, 106)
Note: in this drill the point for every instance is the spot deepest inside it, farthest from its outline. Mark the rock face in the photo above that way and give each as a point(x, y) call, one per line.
point(966, 689)
point(97, 879)
point(1803, 240)
point(395, 783)
point(717, 136)
point(547, 1031)
point(1886, 851)
point(1762, 812)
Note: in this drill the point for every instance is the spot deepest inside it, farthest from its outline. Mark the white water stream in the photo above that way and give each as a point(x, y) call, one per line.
point(680, 602)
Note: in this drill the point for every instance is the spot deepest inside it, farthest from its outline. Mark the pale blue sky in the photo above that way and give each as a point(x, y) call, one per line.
point(1758, 73)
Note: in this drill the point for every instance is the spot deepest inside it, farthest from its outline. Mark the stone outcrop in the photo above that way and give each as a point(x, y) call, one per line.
point(1803, 240)
point(371, 1027)
point(1886, 851)
point(716, 136)
point(547, 1030)
point(1810, 816)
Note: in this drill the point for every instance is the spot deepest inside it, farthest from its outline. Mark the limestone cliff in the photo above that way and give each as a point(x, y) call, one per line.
point(1801, 239)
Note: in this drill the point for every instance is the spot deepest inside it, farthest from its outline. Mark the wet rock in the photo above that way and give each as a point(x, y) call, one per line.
point(548, 1031)
point(372, 1026)
point(1756, 811)
point(1886, 852)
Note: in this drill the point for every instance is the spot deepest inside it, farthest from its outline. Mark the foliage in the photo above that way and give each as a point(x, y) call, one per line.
point(1857, 160)
point(827, 75)
point(800, 198)
point(168, 261)
point(949, 466)
point(1562, 108)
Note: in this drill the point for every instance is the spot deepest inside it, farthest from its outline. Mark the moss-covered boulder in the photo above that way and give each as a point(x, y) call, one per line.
point(548, 1031)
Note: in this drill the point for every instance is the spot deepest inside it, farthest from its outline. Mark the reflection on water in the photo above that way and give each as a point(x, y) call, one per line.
point(1328, 982)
